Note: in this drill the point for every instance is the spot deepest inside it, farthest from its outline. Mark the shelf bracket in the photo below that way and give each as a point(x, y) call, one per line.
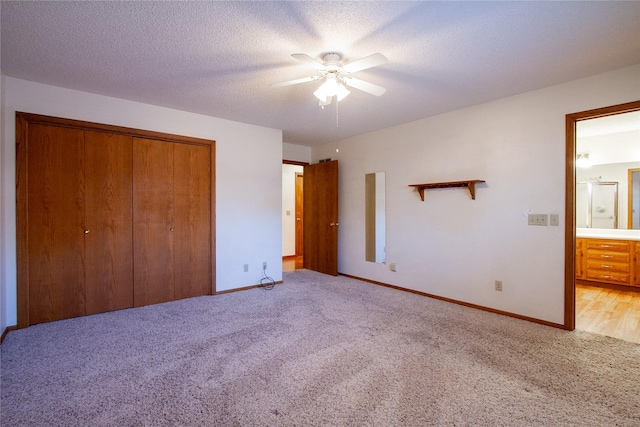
point(472, 189)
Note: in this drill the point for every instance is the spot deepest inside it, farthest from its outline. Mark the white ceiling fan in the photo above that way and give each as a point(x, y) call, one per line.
point(338, 76)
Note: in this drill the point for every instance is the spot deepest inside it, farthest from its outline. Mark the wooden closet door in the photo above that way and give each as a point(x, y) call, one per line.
point(192, 214)
point(109, 229)
point(152, 221)
point(55, 215)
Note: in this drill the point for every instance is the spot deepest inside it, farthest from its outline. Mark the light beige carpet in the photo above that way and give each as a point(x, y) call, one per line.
point(316, 350)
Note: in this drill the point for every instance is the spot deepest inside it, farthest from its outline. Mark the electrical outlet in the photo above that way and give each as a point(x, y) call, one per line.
point(538, 219)
point(498, 285)
point(554, 220)
point(392, 266)
point(264, 265)
point(246, 268)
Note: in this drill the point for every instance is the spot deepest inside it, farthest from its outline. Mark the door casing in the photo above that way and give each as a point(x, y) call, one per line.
point(570, 198)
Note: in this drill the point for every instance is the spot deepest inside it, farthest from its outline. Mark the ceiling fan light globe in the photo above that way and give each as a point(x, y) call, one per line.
point(327, 89)
point(330, 88)
point(331, 85)
point(342, 92)
point(321, 94)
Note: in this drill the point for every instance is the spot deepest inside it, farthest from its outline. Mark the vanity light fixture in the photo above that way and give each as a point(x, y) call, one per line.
point(583, 161)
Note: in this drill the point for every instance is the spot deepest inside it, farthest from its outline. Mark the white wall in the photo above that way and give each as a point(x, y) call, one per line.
point(296, 153)
point(289, 208)
point(248, 177)
point(4, 248)
point(455, 247)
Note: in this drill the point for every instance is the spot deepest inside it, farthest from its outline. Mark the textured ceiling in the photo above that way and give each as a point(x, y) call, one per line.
point(219, 58)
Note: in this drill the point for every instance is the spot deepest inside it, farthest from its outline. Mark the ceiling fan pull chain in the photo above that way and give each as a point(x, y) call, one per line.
point(337, 122)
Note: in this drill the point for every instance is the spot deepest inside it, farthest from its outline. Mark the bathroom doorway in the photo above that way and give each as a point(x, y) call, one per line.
point(602, 146)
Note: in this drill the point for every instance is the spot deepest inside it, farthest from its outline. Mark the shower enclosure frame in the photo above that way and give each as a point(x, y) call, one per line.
point(589, 222)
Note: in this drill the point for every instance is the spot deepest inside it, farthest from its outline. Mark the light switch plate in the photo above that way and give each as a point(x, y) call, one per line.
point(538, 219)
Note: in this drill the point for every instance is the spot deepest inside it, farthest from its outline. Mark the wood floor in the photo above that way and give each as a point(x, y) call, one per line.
point(291, 263)
point(608, 312)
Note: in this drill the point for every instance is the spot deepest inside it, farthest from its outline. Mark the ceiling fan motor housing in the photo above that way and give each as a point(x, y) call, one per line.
point(332, 57)
point(332, 61)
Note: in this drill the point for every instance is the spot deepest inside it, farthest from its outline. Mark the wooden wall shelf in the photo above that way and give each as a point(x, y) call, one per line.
point(470, 184)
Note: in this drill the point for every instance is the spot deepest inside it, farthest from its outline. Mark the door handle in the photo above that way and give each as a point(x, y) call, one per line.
point(333, 224)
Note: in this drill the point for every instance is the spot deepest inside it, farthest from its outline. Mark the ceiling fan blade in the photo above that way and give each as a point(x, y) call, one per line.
point(296, 81)
point(366, 62)
point(309, 60)
point(364, 86)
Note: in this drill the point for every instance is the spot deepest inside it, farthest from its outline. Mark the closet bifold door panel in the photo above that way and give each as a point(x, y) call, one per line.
point(79, 229)
point(172, 221)
point(56, 213)
point(153, 224)
point(108, 222)
point(109, 218)
point(192, 219)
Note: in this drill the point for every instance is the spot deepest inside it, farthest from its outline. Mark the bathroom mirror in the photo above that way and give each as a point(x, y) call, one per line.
point(607, 155)
point(375, 217)
point(634, 199)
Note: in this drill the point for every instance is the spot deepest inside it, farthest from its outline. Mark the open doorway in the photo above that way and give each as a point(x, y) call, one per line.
point(292, 216)
point(318, 224)
point(602, 276)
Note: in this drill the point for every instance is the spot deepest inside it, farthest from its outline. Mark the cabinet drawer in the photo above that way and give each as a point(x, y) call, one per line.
point(606, 266)
point(608, 256)
point(608, 245)
point(608, 276)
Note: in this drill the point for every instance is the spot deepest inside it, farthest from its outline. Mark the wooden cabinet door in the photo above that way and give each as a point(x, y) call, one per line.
point(579, 259)
point(321, 217)
point(108, 224)
point(636, 264)
point(192, 220)
point(152, 221)
point(55, 223)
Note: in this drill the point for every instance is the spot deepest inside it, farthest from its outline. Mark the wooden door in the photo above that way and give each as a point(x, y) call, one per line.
point(299, 215)
point(153, 222)
point(55, 224)
point(321, 217)
point(108, 224)
point(192, 220)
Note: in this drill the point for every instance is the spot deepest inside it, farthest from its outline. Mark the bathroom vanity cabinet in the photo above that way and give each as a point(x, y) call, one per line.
point(609, 261)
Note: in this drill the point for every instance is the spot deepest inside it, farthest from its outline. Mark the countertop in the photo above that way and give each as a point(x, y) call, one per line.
point(598, 233)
